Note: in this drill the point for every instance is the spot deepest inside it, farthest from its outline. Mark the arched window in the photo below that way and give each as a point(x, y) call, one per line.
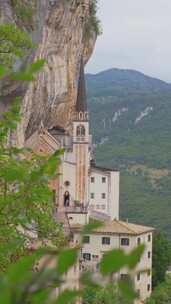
point(66, 199)
point(81, 116)
point(80, 130)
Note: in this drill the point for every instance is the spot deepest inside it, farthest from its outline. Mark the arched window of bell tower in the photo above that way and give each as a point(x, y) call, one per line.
point(81, 116)
point(80, 130)
point(83, 131)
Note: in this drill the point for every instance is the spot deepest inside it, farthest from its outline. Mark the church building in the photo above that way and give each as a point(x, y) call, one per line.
point(81, 186)
point(83, 190)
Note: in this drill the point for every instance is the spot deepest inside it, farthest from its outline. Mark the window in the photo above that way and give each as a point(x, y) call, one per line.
point(139, 241)
point(86, 239)
point(138, 292)
point(98, 206)
point(106, 240)
point(149, 238)
point(124, 276)
point(103, 207)
point(92, 195)
point(148, 287)
point(125, 242)
point(149, 272)
point(80, 131)
point(103, 195)
point(149, 254)
point(92, 179)
point(138, 277)
point(103, 180)
point(66, 199)
point(87, 256)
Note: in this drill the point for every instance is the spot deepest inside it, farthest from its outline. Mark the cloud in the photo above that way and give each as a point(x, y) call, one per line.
point(136, 35)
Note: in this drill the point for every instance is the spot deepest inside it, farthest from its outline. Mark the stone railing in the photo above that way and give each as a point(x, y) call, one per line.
point(75, 208)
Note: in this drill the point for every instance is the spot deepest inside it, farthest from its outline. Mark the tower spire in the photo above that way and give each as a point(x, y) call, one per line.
point(81, 104)
point(81, 142)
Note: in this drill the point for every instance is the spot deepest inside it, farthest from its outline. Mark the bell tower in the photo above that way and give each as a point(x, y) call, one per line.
point(81, 141)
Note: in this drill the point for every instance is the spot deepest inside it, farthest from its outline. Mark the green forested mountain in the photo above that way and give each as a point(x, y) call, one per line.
point(131, 125)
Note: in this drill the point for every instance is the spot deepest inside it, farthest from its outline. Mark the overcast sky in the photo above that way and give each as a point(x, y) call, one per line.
point(136, 35)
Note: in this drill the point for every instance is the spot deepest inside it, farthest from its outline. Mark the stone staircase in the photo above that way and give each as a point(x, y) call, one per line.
point(62, 218)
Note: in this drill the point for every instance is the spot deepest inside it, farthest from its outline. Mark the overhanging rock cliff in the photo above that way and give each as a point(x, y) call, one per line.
point(63, 33)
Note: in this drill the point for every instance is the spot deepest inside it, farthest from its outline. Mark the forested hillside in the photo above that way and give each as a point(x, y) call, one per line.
point(130, 121)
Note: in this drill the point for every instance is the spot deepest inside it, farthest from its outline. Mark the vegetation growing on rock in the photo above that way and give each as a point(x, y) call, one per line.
point(25, 12)
point(93, 23)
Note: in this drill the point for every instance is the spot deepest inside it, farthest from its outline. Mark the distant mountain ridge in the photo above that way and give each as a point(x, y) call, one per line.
point(131, 124)
point(124, 77)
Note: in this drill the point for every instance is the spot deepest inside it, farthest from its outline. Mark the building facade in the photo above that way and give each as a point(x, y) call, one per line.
point(83, 190)
point(80, 183)
point(119, 235)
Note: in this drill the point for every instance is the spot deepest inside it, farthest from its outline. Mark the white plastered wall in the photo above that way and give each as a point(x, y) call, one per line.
point(67, 174)
point(114, 195)
point(78, 218)
point(110, 204)
point(145, 264)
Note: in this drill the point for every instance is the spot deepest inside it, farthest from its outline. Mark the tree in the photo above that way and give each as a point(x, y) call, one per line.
point(161, 258)
point(162, 293)
point(26, 201)
point(14, 44)
point(106, 295)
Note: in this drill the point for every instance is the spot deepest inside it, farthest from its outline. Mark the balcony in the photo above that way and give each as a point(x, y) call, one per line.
point(76, 208)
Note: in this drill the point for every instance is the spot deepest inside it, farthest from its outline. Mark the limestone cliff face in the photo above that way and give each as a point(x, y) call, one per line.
point(60, 34)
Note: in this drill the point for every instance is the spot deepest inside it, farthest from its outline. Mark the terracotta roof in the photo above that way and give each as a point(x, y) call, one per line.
point(81, 103)
point(57, 130)
point(120, 227)
point(93, 166)
point(44, 138)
